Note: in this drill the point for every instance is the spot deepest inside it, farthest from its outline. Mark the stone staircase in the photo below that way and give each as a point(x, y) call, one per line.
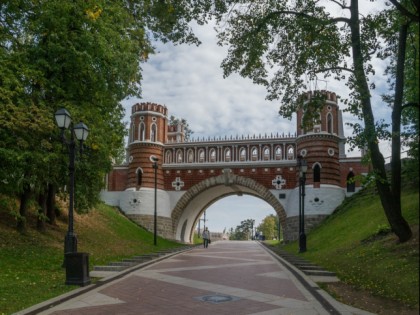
point(317, 273)
point(118, 266)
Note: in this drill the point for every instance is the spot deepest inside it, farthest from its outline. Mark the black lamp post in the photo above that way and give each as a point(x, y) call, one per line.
point(81, 132)
point(303, 167)
point(155, 160)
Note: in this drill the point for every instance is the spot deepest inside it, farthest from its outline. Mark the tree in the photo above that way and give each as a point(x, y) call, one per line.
point(85, 56)
point(243, 231)
point(268, 227)
point(278, 43)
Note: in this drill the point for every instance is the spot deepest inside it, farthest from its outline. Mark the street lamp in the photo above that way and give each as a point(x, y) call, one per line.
point(155, 160)
point(77, 268)
point(81, 132)
point(303, 167)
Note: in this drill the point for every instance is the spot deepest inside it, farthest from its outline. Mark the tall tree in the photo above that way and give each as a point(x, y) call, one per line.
point(279, 43)
point(268, 227)
point(86, 56)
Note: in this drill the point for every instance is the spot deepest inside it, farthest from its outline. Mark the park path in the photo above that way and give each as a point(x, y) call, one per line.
point(225, 278)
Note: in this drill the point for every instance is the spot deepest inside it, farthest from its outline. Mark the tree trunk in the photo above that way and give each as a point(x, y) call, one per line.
point(24, 198)
point(42, 210)
point(392, 207)
point(400, 226)
point(51, 204)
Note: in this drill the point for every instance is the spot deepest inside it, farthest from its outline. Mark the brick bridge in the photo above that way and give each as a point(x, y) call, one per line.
point(194, 174)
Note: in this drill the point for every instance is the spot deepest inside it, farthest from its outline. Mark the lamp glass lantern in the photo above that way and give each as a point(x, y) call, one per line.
point(81, 131)
point(303, 167)
point(63, 118)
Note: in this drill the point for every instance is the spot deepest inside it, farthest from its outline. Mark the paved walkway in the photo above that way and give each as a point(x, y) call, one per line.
point(226, 278)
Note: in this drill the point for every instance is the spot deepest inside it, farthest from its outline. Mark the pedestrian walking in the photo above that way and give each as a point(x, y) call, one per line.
point(206, 237)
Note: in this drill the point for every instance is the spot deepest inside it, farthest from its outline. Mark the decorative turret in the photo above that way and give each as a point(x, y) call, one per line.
point(321, 143)
point(176, 133)
point(148, 133)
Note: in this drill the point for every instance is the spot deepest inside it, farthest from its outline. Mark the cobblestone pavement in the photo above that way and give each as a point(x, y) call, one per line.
point(225, 278)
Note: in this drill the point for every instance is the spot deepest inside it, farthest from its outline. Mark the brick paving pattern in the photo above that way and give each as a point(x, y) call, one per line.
point(226, 278)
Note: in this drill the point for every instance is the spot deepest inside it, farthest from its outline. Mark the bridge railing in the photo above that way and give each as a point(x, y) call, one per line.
point(262, 149)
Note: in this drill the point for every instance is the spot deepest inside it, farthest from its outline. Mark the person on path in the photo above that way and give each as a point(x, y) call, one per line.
point(206, 237)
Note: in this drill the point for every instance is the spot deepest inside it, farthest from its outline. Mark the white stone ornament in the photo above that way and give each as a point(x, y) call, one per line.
point(278, 182)
point(178, 183)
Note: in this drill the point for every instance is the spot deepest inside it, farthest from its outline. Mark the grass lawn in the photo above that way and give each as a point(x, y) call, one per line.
point(357, 244)
point(30, 264)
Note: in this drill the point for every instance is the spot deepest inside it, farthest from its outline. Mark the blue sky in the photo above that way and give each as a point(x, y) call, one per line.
point(189, 81)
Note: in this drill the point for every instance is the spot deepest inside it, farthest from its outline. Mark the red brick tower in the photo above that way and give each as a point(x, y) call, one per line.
point(148, 133)
point(320, 144)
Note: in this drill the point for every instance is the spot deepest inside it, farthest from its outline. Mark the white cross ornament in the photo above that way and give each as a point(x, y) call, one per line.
point(178, 183)
point(278, 182)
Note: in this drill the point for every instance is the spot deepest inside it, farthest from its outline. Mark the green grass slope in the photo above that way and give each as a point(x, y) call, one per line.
point(30, 264)
point(356, 243)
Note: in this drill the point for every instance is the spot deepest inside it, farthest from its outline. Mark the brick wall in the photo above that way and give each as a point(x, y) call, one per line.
point(262, 175)
point(291, 231)
point(141, 153)
point(322, 149)
point(117, 179)
point(164, 225)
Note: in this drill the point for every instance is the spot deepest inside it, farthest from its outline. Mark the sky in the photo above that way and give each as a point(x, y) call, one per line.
point(189, 81)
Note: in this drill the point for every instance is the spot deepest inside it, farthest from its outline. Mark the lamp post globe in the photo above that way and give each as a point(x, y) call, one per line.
point(81, 131)
point(62, 118)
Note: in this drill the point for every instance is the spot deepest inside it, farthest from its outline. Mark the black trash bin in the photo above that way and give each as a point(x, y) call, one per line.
point(77, 269)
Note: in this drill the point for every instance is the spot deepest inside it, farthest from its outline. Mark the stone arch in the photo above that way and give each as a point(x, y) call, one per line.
point(202, 195)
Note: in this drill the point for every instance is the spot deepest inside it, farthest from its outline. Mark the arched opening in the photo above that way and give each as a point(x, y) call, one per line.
point(142, 132)
point(239, 218)
point(139, 177)
point(168, 157)
point(290, 153)
point(153, 133)
point(190, 155)
point(317, 173)
point(351, 183)
point(242, 154)
point(227, 155)
point(131, 132)
point(201, 156)
point(212, 155)
point(278, 154)
point(179, 158)
point(254, 154)
point(266, 154)
point(329, 123)
point(204, 194)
